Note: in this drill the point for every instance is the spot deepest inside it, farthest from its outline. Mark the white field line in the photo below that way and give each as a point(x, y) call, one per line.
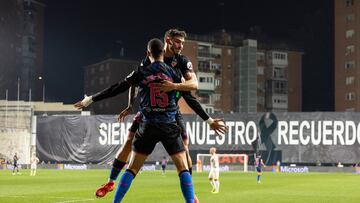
point(76, 200)
point(72, 199)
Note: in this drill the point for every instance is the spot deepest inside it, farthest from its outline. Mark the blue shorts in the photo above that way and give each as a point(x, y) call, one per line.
point(179, 119)
point(258, 169)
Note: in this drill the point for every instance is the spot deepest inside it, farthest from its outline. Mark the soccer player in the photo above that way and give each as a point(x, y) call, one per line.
point(163, 165)
point(214, 171)
point(174, 40)
point(158, 121)
point(258, 163)
point(158, 110)
point(34, 161)
point(15, 164)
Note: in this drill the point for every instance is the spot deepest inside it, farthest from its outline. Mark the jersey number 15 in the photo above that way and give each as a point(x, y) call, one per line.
point(158, 98)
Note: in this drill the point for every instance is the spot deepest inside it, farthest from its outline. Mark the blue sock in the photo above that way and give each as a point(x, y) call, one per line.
point(124, 185)
point(258, 178)
point(116, 169)
point(187, 187)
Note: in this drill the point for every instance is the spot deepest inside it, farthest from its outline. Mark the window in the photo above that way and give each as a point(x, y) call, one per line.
point(107, 79)
point(92, 70)
point(102, 67)
point(204, 66)
point(350, 80)
point(215, 66)
point(279, 55)
point(349, 3)
point(260, 56)
point(350, 49)
point(349, 33)
point(202, 79)
point(229, 52)
point(217, 82)
point(279, 72)
point(101, 81)
point(203, 51)
point(216, 97)
point(349, 18)
point(349, 64)
point(216, 52)
point(260, 70)
point(209, 110)
point(350, 96)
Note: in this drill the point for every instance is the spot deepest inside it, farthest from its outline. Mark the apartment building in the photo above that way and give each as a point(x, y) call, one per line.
point(347, 27)
point(244, 75)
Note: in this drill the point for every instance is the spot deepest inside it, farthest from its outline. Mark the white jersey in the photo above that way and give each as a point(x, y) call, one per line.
point(34, 161)
point(214, 162)
point(214, 167)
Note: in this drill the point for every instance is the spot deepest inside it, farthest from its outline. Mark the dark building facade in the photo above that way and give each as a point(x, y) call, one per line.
point(103, 74)
point(21, 49)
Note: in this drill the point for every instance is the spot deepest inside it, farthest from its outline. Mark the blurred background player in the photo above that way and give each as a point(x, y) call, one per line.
point(214, 171)
point(15, 164)
point(34, 161)
point(258, 163)
point(163, 164)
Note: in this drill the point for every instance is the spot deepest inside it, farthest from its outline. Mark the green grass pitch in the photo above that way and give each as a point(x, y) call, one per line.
point(65, 186)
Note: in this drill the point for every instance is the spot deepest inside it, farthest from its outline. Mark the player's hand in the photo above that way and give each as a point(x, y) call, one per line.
point(124, 113)
point(84, 103)
point(79, 105)
point(167, 86)
point(218, 126)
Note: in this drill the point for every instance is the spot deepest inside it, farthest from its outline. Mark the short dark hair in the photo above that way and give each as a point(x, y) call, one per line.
point(175, 33)
point(155, 47)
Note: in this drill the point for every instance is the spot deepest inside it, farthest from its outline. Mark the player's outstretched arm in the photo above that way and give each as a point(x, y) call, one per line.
point(129, 108)
point(111, 91)
point(217, 125)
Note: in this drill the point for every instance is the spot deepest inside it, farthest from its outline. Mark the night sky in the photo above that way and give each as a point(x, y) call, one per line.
point(81, 32)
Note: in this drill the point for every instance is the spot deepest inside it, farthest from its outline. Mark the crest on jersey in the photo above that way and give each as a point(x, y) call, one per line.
point(173, 63)
point(189, 65)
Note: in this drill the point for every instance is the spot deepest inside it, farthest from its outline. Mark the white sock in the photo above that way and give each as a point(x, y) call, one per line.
point(217, 185)
point(212, 182)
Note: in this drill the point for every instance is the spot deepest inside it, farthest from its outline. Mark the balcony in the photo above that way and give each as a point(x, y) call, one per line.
point(277, 87)
point(205, 54)
point(206, 81)
point(277, 102)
